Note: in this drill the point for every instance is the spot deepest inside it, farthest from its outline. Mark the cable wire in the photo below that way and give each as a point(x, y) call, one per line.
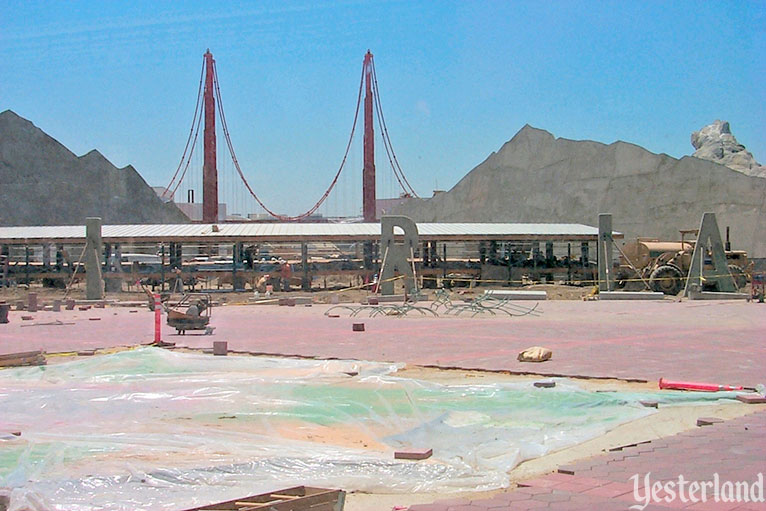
point(316, 206)
point(191, 130)
point(384, 129)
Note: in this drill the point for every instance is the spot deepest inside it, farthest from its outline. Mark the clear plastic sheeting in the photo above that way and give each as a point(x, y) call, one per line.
point(155, 429)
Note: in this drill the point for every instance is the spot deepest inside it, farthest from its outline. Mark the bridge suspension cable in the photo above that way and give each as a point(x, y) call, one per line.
point(312, 210)
point(395, 167)
point(192, 133)
point(191, 143)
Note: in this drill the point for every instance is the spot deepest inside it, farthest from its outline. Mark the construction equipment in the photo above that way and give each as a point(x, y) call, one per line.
point(192, 312)
point(664, 265)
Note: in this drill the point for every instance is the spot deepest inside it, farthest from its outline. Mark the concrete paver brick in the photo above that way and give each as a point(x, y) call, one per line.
point(529, 505)
point(751, 399)
point(610, 490)
point(452, 502)
point(532, 490)
point(540, 482)
point(490, 503)
point(714, 506)
point(708, 421)
point(466, 507)
point(428, 507)
point(555, 496)
point(515, 496)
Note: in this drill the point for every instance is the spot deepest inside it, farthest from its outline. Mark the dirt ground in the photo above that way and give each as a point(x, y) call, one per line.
point(346, 289)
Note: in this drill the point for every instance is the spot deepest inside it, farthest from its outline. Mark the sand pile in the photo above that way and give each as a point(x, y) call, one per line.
point(43, 183)
point(536, 177)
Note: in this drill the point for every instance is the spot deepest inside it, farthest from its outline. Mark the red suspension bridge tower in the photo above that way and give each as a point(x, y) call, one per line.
point(209, 97)
point(368, 172)
point(209, 168)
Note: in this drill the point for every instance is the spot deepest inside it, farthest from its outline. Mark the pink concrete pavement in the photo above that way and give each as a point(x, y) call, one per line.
point(734, 450)
point(720, 342)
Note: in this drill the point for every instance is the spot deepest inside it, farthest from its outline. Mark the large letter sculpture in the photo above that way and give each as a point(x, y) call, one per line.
point(605, 242)
point(709, 243)
point(396, 255)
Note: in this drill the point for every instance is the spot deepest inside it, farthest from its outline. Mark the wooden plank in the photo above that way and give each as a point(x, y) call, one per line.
point(245, 505)
point(35, 360)
point(22, 354)
point(306, 503)
point(298, 498)
point(19, 360)
point(250, 506)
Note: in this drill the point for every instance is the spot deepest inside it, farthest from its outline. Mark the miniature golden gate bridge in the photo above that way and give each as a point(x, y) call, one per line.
point(209, 96)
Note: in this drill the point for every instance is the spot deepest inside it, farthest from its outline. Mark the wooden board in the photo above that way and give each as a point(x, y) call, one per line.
point(27, 358)
point(298, 498)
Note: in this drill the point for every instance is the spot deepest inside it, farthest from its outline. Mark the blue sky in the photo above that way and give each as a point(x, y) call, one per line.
point(457, 80)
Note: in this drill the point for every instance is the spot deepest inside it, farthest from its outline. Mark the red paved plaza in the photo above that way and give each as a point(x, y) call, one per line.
point(721, 342)
point(718, 342)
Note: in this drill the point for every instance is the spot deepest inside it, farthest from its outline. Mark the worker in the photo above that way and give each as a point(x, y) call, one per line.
point(286, 271)
point(260, 286)
point(196, 309)
point(178, 283)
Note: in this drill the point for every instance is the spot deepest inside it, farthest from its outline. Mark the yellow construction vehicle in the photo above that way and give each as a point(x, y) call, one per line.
point(664, 265)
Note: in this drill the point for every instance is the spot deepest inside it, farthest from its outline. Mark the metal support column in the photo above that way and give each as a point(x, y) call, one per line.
point(94, 289)
point(107, 255)
point(59, 257)
point(444, 262)
point(235, 258)
point(26, 267)
point(306, 280)
point(46, 256)
point(162, 268)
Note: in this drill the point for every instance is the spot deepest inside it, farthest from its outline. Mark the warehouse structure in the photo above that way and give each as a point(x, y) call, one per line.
point(237, 254)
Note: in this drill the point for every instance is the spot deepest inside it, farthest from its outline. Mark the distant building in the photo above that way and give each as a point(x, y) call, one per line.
point(265, 217)
point(390, 206)
point(194, 210)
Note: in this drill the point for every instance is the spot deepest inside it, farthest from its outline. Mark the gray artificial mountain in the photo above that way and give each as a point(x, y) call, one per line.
point(536, 177)
point(43, 183)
